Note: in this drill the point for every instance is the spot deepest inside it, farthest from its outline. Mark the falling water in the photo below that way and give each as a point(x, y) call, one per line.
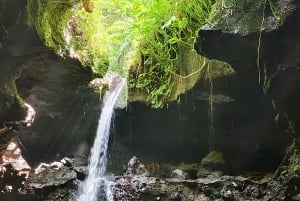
point(96, 180)
point(211, 107)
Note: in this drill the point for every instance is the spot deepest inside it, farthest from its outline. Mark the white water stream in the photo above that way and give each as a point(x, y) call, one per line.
point(96, 184)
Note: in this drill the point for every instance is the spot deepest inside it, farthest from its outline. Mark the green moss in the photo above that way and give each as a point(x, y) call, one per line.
point(11, 105)
point(166, 48)
point(191, 67)
point(91, 43)
point(214, 160)
point(70, 30)
point(293, 160)
point(50, 18)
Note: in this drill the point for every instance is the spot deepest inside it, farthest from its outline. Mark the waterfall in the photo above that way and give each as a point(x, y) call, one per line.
point(96, 182)
point(211, 109)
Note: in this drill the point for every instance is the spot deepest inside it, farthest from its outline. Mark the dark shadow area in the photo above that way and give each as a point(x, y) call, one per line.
point(243, 129)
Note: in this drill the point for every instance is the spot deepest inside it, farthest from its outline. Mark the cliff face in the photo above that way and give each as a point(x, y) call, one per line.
point(260, 44)
point(15, 43)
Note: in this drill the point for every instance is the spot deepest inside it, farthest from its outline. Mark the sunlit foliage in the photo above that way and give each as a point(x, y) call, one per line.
point(142, 37)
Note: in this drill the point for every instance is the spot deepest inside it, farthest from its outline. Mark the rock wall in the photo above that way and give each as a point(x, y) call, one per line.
point(13, 50)
point(262, 50)
point(66, 109)
point(51, 85)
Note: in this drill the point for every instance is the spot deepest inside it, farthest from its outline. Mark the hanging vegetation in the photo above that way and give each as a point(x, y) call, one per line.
point(144, 40)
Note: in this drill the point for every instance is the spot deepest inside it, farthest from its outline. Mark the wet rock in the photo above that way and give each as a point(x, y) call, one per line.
point(213, 187)
point(135, 167)
point(284, 186)
point(12, 155)
point(296, 197)
point(11, 181)
point(113, 79)
point(61, 194)
point(6, 136)
point(82, 171)
point(54, 181)
point(290, 166)
point(99, 84)
point(179, 174)
point(214, 160)
point(170, 189)
point(51, 175)
point(52, 178)
point(176, 196)
point(215, 98)
point(13, 51)
point(203, 172)
point(80, 161)
point(164, 170)
point(72, 113)
point(190, 169)
point(14, 170)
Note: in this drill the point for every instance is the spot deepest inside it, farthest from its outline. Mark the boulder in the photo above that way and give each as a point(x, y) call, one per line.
point(190, 168)
point(53, 174)
point(214, 160)
point(12, 155)
point(136, 168)
point(51, 178)
point(179, 174)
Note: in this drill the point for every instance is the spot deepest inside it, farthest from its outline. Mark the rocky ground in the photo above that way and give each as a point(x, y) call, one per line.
point(60, 180)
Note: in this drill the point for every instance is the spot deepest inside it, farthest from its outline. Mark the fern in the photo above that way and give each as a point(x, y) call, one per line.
point(275, 11)
point(157, 30)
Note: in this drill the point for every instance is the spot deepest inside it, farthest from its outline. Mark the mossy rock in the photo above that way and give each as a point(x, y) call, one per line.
point(49, 20)
point(192, 73)
point(193, 68)
point(214, 160)
point(245, 16)
point(11, 105)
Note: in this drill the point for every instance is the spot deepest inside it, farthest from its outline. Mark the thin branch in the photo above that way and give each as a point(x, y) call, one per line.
point(191, 74)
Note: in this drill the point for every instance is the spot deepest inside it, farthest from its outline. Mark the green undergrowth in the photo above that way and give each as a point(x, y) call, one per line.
point(143, 40)
point(275, 11)
point(166, 28)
